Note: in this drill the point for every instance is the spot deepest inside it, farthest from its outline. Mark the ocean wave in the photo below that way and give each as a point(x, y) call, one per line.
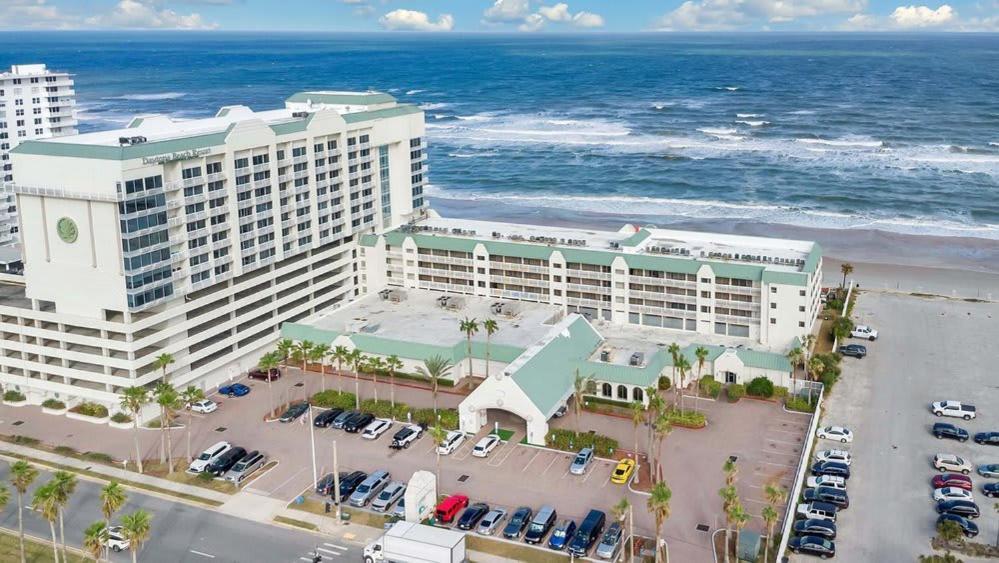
point(801, 112)
point(844, 142)
point(748, 115)
point(716, 131)
point(663, 105)
point(414, 92)
point(728, 88)
point(430, 106)
point(759, 123)
point(147, 97)
point(470, 155)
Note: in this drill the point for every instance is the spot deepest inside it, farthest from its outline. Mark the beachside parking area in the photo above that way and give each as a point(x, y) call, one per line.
point(928, 350)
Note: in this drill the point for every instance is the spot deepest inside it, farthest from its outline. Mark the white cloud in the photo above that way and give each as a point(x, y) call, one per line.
point(532, 22)
point(922, 16)
point(560, 14)
point(557, 13)
point(412, 20)
point(32, 13)
point(587, 19)
point(860, 22)
point(704, 15)
point(507, 11)
point(144, 14)
point(714, 15)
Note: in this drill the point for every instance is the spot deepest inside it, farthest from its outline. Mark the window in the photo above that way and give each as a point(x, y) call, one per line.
point(801, 292)
point(605, 389)
point(705, 309)
point(636, 394)
point(773, 289)
point(622, 392)
point(773, 321)
point(801, 308)
point(801, 324)
point(773, 305)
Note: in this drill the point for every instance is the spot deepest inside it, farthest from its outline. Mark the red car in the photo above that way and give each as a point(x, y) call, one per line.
point(275, 373)
point(952, 480)
point(450, 507)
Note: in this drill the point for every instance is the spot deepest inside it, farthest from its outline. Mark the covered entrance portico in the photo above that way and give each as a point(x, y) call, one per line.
point(501, 400)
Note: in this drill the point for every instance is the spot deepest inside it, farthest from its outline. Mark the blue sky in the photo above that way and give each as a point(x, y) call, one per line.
point(526, 16)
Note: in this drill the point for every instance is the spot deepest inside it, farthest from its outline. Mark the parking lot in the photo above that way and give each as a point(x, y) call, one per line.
point(928, 350)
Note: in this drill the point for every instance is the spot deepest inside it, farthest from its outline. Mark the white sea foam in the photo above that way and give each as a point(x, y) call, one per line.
point(748, 115)
point(663, 105)
point(470, 155)
point(994, 143)
point(802, 112)
point(759, 123)
point(728, 88)
point(434, 105)
point(148, 97)
point(717, 131)
point(413, 92)
point(844, 142)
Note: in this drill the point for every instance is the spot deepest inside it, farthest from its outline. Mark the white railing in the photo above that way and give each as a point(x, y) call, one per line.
point(799, 479)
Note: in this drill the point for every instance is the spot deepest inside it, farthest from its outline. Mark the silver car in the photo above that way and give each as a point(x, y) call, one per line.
point(491, 521)
point(391, 493)
point(581, 461)
point(369, 488)
point(400, 508)
point(610, 543)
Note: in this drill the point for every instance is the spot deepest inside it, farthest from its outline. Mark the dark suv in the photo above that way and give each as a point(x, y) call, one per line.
point(272, 375)
point(855, 350)
point(357, 423)
point(349, 483)
point(946, 430)
point(521, 517)
point(964, 508)
point(828, 494)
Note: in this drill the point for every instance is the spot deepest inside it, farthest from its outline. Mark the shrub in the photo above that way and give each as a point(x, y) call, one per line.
point(735, 392)
point(417, 377)
point(25, 440)
point(55, 404)
point(760, 387)
point(664, 383)
point(780, 392)
point(691, 419)
point(91, 409)
point(13, 396)
point(449, 418)
point(710, 387)
point(567, 440)
point(384, 409)
point(99, 457)
point(65, 450)
point(800, 404)
point(331, 399)
point(121, 418)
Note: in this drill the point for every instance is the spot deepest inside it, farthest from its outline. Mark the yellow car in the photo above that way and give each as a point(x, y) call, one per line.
point(623, 471)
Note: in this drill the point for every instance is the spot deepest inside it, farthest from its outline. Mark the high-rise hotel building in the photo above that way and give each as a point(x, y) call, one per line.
point(35, 103)
point(197, 238)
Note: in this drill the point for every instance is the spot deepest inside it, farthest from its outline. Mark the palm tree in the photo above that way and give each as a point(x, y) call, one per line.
point(847, 269)
point(439, 435)
point(340, 355)
point(637, 417)
point(113, 497)
point(136, 528)
point(356, 359)
point(770, 516)
point(375, 365)
point(22, 475)
point(658, 505)
point(842, 327)
point(662, 428)
point(162, 361)
point(491, 327)
point(301, 352)
point(674, 352)
point(317, 355)
point(621, 512)
point(46, 503)
point(392, 363)
point(656, 407)
point(169, 400)
point(731, 471)
point(268, 362)
point(740, 518)
point(796, 357)
point(94, 538)
point(63, 485)
point(132, 400)
point(188, 397)
point(470, 327)
point(774, 493)
point(683, 366)
point(730, 498)
point(816, 367)
point(434, 368)
point(581, 386)
point(701, 353)
point(285, 348)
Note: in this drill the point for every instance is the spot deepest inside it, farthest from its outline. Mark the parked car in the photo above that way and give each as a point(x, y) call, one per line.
point(272, 375)
point(623, 471)
point(518, 521)
point(989, 470)
point(391, 493)
point(357, 423)
point(204, 406)
point(376, 428)
point(865, 332)
point(581, 461)
point(349, 483)
point(234, 390)
point(844, 435)
point(369, 488)
point(610, 544)
point(587, 533)
point(955, 409)
point(969, 528)
point(560, 411)
point(325, 419)
point(542, 522)
point(825, 494)
point(831, 468)
point(987, 438)
point(294, 411)
point(406, 436)
point(324, 485)
point(946, 430)
point(812, 545)
point(812, 527)
point(342, 418)
point(952, 493)
point(491, 521)
point(449, 508)
point(856, 350)
point(965, 508)
point(246, 467)
point(561, 535)
point(826, 481)
point(208, 456)
point(472, 515)
point(400, 508)
point(224, 462)
point(818, 511)
point(841, 456)
point(951, 462)
point(951, 480)
point(116, 539)
point(990, 490)
point(452, 441)
point(485, 445)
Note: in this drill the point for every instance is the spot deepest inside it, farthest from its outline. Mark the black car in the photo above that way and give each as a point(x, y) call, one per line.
point(991, 490)
point(472, 515)
point(349, 483)
point(520, 519)
point(294, 411)
point(969, 528)
point(325, 418)
point(324, 486)
point(965, 508)
point(945, 430)
point(987, 438)
point(812, 545)
point(225, 461)
point(855, 350)
point(831, 468)
point(357, 423)
point(813, 527)
point(832, 496)
point(343, 417)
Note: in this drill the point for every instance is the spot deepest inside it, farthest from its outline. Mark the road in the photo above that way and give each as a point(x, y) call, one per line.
point(180, 532)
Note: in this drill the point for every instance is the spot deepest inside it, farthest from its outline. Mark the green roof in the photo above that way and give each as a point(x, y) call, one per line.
point(764, 360)
point(342, 98)
point(128, 152)
point(401, 109)
point(368, 240)
point(637, 238)
point(812, 261)
point(300, 332)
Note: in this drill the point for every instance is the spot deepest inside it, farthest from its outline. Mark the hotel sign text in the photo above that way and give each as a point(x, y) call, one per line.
point(182, 155)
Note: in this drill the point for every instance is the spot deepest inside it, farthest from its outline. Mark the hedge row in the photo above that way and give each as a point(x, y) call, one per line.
point(735, 391)
point(710, 387)
point(13, 396)
point(570, 441)
point(383, 409)
point(54, 404)
point(692, 419)
point(800, 404)
point(760, 387)
point(90, 409)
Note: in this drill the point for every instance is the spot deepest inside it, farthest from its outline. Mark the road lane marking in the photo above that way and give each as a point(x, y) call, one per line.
point(335, 546)
point(330, 551)
point(208, 555)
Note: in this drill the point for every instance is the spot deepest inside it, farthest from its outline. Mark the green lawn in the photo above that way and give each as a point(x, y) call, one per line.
point(34, 552)
point(505, 434)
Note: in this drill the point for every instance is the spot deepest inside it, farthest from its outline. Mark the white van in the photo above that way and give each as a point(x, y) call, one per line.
point(202, 462)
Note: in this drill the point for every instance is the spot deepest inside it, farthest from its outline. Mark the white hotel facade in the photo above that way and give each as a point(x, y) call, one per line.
point(196, 238)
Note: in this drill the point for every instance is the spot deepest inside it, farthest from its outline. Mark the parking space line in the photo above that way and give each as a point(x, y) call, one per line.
point(535, 456)
point(550, 463)
point(779, 464)
point(784, 441)
point(775, 452)
point(288, 480)
point(509, 451)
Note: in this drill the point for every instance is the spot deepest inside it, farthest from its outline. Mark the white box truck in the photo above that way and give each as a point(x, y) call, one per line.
point(409, 542)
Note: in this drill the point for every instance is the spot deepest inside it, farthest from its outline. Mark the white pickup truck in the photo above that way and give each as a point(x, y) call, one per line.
point(865, 332)
point(954, 409)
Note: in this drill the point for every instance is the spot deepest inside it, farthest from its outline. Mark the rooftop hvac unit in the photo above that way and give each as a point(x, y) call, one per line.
point(497, 234)
point(138, 139)
point(605, 355)
point(300, 114)
point(615, 244)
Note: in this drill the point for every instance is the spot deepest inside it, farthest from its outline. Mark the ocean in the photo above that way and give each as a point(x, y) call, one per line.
point(894, 133)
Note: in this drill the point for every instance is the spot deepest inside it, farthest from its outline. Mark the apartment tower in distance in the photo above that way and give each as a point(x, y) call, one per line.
point(196, 238)
point(35, 103)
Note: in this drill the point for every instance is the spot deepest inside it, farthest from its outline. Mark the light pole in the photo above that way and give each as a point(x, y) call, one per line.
point(336, 483)
point(312, 443)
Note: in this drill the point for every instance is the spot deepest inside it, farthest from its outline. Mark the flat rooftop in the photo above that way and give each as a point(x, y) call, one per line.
point(771, 253)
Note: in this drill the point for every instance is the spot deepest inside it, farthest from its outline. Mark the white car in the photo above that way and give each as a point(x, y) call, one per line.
point(839, 456)
point(816, 511)
point(204, 406)
point(829, 481)
point(206, 458)
point(116, 539)
point(864, 331)
point(952, 463)
point(952, 493)
point(376, 428)
point(835, 433)
point(954, 409)
point(451, 442)
point(486, 445)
